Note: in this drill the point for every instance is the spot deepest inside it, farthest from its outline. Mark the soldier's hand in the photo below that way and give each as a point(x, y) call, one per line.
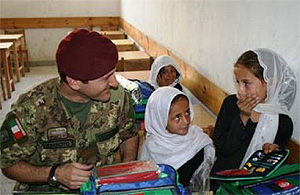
point(73, 175)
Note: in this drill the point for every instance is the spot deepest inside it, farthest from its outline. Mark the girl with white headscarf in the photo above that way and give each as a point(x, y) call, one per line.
point(185, 148)
point(257, 116)
point(165, 72)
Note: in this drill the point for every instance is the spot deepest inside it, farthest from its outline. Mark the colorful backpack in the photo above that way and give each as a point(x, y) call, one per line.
point(163, 180)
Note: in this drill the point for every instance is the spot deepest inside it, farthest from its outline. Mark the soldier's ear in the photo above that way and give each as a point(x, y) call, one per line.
point(73, 83)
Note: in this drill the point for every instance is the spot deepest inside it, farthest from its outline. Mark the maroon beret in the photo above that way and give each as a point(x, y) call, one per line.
point(86, 55)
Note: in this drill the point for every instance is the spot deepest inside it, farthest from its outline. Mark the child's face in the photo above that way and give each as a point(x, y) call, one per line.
point(179, 117)
point(249, 84)
point(167, 76)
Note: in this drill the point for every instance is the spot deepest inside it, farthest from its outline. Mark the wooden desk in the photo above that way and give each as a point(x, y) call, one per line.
point(24, 45)
point(202, 117)
point(17, 46)
point(134, 60)
point(141, 75)
point(7, 67)
point(124, 45)
point(114, 34)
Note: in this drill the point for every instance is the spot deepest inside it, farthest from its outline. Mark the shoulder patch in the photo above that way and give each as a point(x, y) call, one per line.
point(12, 131)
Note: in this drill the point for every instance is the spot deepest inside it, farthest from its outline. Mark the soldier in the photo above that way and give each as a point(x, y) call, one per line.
point(58, 131)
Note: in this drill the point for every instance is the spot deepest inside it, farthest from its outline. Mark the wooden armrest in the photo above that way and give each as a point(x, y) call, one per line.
point(209, 130)
point(294, 148)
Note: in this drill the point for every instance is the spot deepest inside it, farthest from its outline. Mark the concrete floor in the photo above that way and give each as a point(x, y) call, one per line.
point(34, 77)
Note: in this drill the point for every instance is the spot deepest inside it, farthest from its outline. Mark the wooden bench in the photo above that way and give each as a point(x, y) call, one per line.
point(7, 69)
point(124, 45)
point(294, 147)
point(17, 49)
point(134, 61)
point(114, 34)
point(203, 119)
point(23, 45)
point(140, 75)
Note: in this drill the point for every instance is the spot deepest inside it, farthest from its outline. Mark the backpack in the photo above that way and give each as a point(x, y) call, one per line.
point(165, 183)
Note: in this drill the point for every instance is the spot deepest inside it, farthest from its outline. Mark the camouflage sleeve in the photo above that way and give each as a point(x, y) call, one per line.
point(17, 141)
point(127, 127)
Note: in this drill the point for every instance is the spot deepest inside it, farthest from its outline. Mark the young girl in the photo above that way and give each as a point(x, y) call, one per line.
point(165, 72)
point(257, 116)
point(170, 138)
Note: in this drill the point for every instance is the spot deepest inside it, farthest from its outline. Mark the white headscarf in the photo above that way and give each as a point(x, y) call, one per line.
point(281, 92)
point(159, 63)
point(167, 148)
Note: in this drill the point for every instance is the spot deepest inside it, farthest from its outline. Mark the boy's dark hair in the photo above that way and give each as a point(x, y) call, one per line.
point(250, 61)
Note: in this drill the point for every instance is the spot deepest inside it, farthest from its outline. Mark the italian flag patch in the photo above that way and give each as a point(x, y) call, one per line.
point(16, 129)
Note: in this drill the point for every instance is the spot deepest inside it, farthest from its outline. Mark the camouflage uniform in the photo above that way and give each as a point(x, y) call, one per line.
point(41, 130)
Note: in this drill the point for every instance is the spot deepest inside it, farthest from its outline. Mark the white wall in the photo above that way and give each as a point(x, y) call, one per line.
point(58, 8)
point(42, 43)
point(210, 35)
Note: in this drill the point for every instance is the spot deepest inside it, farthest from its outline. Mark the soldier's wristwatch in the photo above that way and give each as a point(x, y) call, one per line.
point(52, 180)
